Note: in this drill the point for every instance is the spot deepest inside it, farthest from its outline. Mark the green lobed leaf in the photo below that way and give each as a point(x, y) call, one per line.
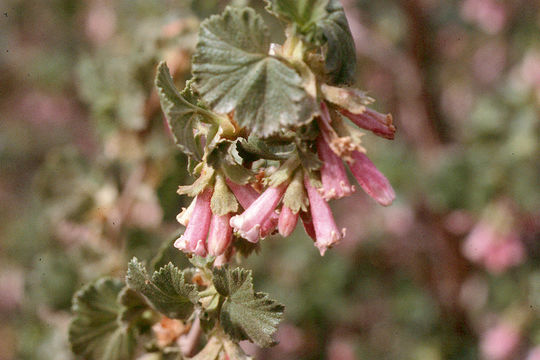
point(96, 331)
point(134, 305)
point(181, 111)
point(233, 72)
point(167, 291)
point(340, 52)
point(246, 314)
point(303, 13)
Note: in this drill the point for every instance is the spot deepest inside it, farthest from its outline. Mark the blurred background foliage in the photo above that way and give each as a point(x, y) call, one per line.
point(88, 177)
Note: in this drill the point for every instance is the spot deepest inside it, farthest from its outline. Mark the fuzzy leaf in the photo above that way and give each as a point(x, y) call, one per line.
point(225, 157)
point(322, 23)
point(134, 305)
point(340, 54)
point(233, 72)
point(167, 290)
point(246, 314)
point(205, 179)
point(265, 149)
point(181, 111)
point(284, 173)
point(295, 196)
point(96, 332)
point(350, 99)
point(303, 13)
point(223, 200)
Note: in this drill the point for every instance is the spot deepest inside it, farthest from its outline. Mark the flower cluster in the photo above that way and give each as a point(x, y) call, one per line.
point(270, 129)
point(293, 191)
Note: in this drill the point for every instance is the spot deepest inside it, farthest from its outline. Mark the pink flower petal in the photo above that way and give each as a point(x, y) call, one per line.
point(246, 195)
point(333, 175)
point(374, 183)
point(220, 235)
point(326, 230)
point(249, 223)
point(287, 221)
point(194, 238)
point(373, 121)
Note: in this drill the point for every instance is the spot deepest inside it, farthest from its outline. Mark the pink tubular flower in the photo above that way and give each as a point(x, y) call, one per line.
point(287, 221)
point(220, 235)
point(373, 121)
point(374, 183)
point(333, 175)
point(246, 196)
point(326, 230)
point(194, 238)
point(249, 223)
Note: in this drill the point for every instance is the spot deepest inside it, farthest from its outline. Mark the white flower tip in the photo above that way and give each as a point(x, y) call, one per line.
point(200, 249)
point(180, 243)
point(335, 238)
point(387, 197)
point(253, 235)
point(322, 249)
point(236, 222)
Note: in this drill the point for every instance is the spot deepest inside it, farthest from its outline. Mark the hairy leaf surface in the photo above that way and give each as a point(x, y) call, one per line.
point(96, 331)
point(167, 291)
point(233, 72)
point(246, 314)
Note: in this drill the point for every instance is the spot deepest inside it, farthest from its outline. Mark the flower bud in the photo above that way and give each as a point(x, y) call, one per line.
point(287, 221)
point(220, 235)
point(372, 181)
point(373, 121)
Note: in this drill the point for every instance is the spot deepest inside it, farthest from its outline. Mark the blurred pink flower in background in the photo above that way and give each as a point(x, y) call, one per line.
point(489, 62)
point(11, 290)
point(489, 15)
point(495, 250)
point(290, 338)
point(100, 22)
point(340, 349)
point(494, 241)
point(529, 71)
point(46, 110)
point(500, 342)
point(534, 354)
